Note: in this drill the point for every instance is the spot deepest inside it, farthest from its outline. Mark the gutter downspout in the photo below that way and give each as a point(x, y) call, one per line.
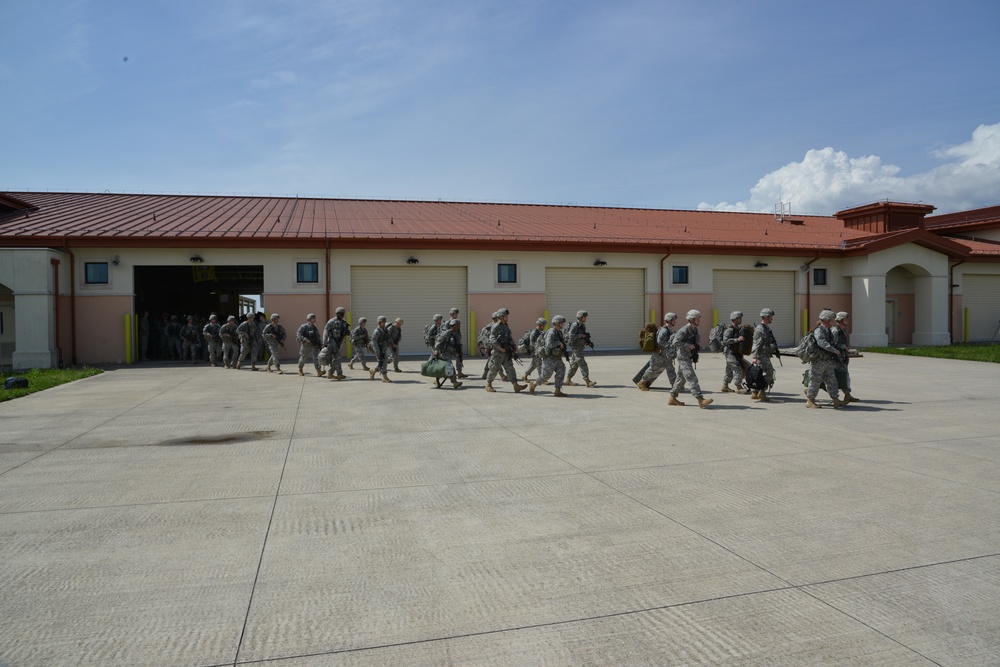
point(327, 300)
point(55, 275)
point(951, 301)
point(662, 277)
point(72, 301)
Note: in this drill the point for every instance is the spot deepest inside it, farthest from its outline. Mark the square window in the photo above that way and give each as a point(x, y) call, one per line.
point(679, 275)
point(507, 273)
point(819, 276)
point(95, 273)
point(307, 272)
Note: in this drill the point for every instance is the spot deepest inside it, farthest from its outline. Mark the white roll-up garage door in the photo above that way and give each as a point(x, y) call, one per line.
point(415, 293)
point(614, 298)
point(981, 295)
point(751, 291)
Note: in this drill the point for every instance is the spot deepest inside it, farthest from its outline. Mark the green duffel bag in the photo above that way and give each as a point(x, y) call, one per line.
point(437, 368)
point(843, 379)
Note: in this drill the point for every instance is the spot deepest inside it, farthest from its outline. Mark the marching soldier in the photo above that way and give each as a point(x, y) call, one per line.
point(579, 339)
point(731, 339)
point(553, 347)
point(485, 348)
point(381, 345)
point(687, 343)
point(453, 314)
point(309, 344)
point(334, 333)
point(230, 342)
point(841, 341)
point(213, 339)
point(503, 348)
point(249, 341)
point(822, 368)
point(764, 346)
point(395, 331)
point(274, 337)
point(448, 346)
point(189, 337)
point(534, 349)
point(663, 356)
point(360, 340)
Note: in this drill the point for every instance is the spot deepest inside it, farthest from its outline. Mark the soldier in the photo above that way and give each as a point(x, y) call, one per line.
point(395, 331)
point(189, 337)
point(381, 346)
point(764, 346)
point(484, 344)
point(841, 341)
point(274, 337)
point(686, 344)
point(821, 369)
point(163, 337)
point(261, 321)
point(448, 346)
point(731, 339)
point(553, 348)
point(534, 348)
point(249, 341)
point(173, 331)
point(309, 344)
point(230, 342)
point(503, 345)
point(334, 333)
point(360, 341)
point(213, 339)
point(663, 356)
point(432, 330)
point(453, 314)
point(578, 340)
point(144, 336)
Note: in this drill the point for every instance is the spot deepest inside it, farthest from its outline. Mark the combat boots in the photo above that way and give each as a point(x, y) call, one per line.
point(558, 392)
point(518, 387)
point(319, 373)
point(725, 388)
point(642, 385)
point(704, 402)
point(385, 378)
point(673, 400)
point(837, 403)
point(755, 395)
point(371, 371)
point(350, 364)
point(531, 387)
point(489, 387)
point(591, 383)
point(569, 383)
point(740, 389)
point(762, 397)
point(301, 372)
point(812, 404)
point(848, 398)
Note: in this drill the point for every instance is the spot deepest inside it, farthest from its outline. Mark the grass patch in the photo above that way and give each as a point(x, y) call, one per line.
point(43, 379)
point(963, 351)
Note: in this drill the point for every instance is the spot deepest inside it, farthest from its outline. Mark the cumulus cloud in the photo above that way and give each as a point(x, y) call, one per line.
point(827, 180)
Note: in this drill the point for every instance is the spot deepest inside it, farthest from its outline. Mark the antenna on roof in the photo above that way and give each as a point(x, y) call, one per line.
point(781, 210)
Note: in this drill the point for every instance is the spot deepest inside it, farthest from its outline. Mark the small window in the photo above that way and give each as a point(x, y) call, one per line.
point(507, 273)
point(819, 276)
point(679, 275)
point(95, 273)
point(307, 272)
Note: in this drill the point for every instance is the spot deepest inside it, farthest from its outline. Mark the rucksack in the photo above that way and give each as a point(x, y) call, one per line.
point(807, 350)
point(755, 379)
point(524, 345)
point(648, 341)
point(715, 335)
point(430, 335)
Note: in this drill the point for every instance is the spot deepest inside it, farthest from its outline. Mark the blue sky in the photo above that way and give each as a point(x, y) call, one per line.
point(728, 105)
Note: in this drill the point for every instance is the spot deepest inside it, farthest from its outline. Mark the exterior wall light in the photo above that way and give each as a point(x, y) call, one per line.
point(760, 265)
point(600, 262)
point(413, 260)
point(197, 259)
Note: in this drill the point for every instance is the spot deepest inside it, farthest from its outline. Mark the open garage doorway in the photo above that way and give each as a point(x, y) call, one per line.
point(193, 290)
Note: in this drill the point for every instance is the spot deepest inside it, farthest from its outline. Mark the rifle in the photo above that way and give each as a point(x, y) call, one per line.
point(588, 342)
point(774, 343)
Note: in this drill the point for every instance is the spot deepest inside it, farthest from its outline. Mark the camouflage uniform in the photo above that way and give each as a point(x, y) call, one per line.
point(380, 342)
point(578, 339)
point(274, 337)
point(686, 336)
point(485, 346)
point(230, 343)
point(553, 349)
point(173, 331)
point(448, 346)
point(734, 360)
point(501, 337)
point(359, 340)
point(213, 340)
point(309, 344)
point(189, 340)
point(822, 369)
point(334, 333)
point(250, 343)
point(395, 331)
point(764, 345)
point(453, 314)
point(535, 348)
point(841, 341)
point(662, 358)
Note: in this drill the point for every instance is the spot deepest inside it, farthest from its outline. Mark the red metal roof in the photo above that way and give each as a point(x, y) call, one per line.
point(169, 220)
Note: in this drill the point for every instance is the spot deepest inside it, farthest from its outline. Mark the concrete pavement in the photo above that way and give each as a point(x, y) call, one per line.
point(179, 515)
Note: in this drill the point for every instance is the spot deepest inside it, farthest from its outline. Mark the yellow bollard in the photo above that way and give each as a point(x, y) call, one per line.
point(128, 338)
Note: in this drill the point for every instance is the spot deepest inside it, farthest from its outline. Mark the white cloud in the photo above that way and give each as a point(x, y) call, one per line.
point(827, 181)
